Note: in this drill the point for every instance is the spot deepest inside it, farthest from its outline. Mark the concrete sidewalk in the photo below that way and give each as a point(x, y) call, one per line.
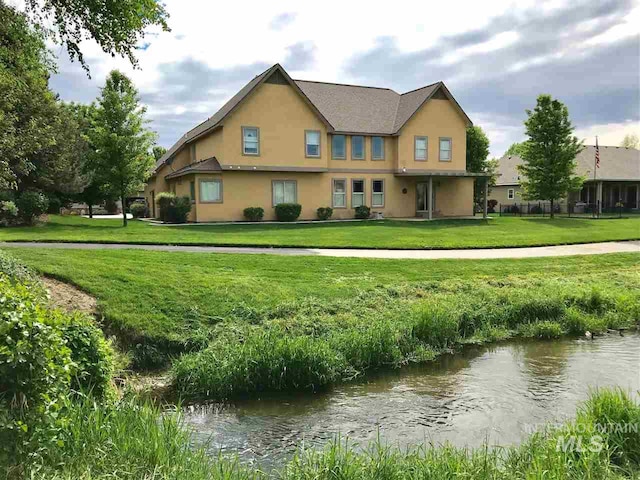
point(482, 253)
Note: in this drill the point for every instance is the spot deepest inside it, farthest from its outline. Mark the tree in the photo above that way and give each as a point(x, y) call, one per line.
point(477, 153)
point(158, 152)
point(120, 139)
point(549, 164)
point(631, 140)
point(117, 26)
point(515, 149)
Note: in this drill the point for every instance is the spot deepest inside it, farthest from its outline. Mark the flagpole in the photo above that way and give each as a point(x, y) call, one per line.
point(595, 162)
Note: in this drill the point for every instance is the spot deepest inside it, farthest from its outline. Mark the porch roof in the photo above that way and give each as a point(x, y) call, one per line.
point(439, 173)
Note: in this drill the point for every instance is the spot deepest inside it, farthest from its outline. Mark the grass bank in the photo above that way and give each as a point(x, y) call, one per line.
point(497, 232)
point(129, 440)
point(270, 323)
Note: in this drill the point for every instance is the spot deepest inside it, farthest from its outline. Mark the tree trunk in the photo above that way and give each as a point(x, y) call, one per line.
point(552, 213)
point(124, 211)
point(90, 210)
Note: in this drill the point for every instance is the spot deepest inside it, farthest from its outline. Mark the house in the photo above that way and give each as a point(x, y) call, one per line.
point(322, 145)
point(616, 180)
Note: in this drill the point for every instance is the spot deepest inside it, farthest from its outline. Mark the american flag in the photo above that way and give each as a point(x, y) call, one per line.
point(597, 154)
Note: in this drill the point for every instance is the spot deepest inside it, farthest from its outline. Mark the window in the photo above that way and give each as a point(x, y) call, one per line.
point(377, 193)
point(338, 147)
point(211, 191)
point(192, 191)
point(357, 193)
point(421, 148)
point(192, 152)
point(510, 194)
point(377, 148)
point(312, 143)
point(284, 191)
point(339, 193)
point(357, 148)
point(445, 149)
point(250, 141)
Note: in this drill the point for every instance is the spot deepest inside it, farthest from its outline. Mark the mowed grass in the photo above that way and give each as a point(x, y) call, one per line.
point(497, 232)
point(260, 322)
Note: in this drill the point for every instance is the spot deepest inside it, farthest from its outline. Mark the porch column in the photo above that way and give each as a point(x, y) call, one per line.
point(430, 199)
point(485, 199)
point(599, 197)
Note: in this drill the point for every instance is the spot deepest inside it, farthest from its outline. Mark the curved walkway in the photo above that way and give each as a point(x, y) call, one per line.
point(523, 252)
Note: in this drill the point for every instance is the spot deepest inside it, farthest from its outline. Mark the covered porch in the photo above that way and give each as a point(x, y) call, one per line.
point(441, 194)
point(606, 194)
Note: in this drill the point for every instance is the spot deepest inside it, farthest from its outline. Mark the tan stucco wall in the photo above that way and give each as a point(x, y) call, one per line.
point(388, 163)
point(210, 145)
point(454, 197)
point(437, 118)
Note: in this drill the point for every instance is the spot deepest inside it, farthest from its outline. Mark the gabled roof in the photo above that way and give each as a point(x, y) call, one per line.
point(616, 163)
point(343, 108)
point(209, 165)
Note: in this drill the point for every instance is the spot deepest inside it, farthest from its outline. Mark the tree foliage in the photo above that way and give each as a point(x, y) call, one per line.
point(117, 26)
point(121, 141)
point(516, 149)
point(158, 152)
point(549, 164)
point(477, 160)
point(631, 140)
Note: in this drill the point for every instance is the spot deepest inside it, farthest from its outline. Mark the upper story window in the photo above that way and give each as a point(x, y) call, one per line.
point(339, 193)
point(357, 147)
point(421, 148)
point(192, 152)
point(312, 143)
point(445, 149)
point(377, 193)
point(377, 148)
point(250, 141)
point(338, 147)
point(357, 193)
point(284, 191)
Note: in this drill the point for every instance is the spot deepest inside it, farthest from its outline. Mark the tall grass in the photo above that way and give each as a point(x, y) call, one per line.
point(310, 344)
point(131, 440)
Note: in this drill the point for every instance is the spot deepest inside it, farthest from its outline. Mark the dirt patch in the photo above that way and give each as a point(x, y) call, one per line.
point(69, 298)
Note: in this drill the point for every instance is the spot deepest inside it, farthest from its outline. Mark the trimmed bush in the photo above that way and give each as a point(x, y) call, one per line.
point(288, 212)
point(179, 211)
point(138, 210)
point(31, 205)
point(363, 212)
point(164, 201)
point(8, 213)
point(324, 213)
point(253, 214)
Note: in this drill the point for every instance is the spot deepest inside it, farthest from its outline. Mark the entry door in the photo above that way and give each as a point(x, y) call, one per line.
point(422, 196)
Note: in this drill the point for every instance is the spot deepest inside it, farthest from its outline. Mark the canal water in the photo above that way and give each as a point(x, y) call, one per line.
point(497, 394)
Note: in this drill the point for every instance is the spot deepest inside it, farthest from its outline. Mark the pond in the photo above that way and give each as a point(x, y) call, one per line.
point(495, 393)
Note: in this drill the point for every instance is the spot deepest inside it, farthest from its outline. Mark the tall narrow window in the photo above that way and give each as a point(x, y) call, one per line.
point(192, 191)
point(510, 194)
point(284, 191)
point(421, 148)
point(250, 140)
point(377, 148)
point(377, 193)
point(192, 152)
point(339, 193)
point(312, 143)
point(445, 149)
point(357, 193)
point(211, 191)
point(357, 147)
point(338, 147)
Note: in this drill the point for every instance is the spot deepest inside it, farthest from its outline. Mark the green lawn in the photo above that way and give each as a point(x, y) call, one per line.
point(498, 232)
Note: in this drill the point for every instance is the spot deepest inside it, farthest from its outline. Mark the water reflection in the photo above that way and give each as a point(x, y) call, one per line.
point(493, 393)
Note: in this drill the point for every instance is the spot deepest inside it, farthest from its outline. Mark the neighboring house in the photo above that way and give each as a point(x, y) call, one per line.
point(322, 145)
point(617, 179)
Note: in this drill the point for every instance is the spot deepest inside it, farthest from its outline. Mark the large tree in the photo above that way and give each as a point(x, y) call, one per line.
point(158, 152)
point(121, 140)
point(477, 160)
point(630, 140)
point(549, 154)
point(515, 149)
point(116, 26)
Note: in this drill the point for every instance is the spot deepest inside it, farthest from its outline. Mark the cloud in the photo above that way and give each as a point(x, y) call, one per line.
point(281, 21)
point(300, 56)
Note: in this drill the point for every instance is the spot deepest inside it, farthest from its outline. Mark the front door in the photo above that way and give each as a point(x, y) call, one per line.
point(422, 196)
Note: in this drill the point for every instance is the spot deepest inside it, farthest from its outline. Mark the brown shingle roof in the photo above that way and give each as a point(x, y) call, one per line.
point(209, 165)
point(616, 163)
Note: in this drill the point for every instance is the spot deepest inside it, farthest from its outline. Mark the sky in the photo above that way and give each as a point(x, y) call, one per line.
point(495, 57)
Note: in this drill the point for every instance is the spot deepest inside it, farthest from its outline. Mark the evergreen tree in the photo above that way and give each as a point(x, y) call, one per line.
point(121, 141)
point(549, 154)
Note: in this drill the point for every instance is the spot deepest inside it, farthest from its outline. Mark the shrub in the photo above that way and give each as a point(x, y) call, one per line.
point(253, 214)
point(363, 211)
point(31, 205)
point(179, 210)
point(436, 326)
point(491, 206)
point(111, 206)
point(536, 210)
point(512, 209)
point(288, 212)
point(164, 201)
point(138, 210)
point(8, 213)
point(324, 213)
point(55, 204)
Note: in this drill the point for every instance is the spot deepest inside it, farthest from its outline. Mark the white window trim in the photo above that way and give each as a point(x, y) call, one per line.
point(374, 205)
point(273, 191)
point(333, 152)
point(363, 194)
point(244, 152)
point(334, 193)
point(440, 149)
point(415, 148)
point(373, 153)
point(511, 194)
point(306, 151)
